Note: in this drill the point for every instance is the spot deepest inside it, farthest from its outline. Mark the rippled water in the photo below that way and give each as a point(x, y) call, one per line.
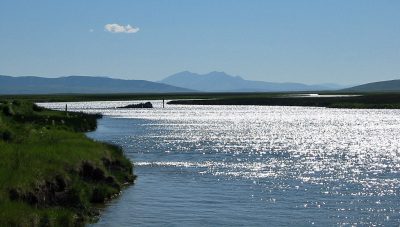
point(253, 165)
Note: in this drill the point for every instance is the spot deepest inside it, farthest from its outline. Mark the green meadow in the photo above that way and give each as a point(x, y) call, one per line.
point(51, 174)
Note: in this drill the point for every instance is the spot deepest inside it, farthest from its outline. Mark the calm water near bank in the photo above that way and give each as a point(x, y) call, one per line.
point(253, 165)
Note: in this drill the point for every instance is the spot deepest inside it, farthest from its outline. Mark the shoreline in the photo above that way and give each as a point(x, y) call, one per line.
point(348, 100)
point(363, 101)
point(51, 173)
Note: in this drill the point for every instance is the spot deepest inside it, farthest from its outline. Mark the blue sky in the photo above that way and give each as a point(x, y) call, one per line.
point(314, 41)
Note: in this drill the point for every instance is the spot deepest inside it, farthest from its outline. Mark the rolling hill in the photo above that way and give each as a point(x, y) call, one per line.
point(381, 86)
point(81, 84)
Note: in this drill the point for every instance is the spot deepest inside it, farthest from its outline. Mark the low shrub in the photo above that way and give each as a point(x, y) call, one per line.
point(8, 111)
point(16, 103)
point(37, 108)
point(6, 135)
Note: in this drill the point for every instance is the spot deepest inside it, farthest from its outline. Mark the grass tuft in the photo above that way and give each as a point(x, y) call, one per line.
point(51, 174)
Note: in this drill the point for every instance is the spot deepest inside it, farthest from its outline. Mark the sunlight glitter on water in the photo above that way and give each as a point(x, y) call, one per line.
point(331, 152)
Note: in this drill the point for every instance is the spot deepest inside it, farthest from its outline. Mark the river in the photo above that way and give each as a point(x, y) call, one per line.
point(252, 165)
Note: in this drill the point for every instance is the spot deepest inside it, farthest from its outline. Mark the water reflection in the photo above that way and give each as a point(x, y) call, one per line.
point(284, 165)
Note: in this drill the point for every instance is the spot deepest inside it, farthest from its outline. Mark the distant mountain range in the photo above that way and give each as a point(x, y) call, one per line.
point(382, 86)
point(222, 82)
point(81, 84)
point(180, 82)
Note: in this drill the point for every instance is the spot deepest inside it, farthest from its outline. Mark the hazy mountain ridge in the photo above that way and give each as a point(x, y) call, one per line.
point(80, 84)
point(220, 81)
point(381, 86)
point(180, 82)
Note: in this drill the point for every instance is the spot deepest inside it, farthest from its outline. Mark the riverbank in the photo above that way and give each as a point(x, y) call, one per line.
point(324, 99)
point(357, 101)
point(51, 174)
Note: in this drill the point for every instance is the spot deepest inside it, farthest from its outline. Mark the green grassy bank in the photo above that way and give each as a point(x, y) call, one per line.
point(51, 174)
point(363, 101)
point(366, 100)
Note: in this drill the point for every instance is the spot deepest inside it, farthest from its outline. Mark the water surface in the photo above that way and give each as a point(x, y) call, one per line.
point(253, 165)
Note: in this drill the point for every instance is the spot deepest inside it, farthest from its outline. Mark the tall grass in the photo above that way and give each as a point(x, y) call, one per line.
point(50, 172)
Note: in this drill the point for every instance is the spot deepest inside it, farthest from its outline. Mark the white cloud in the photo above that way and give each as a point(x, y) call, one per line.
point(116, 28)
